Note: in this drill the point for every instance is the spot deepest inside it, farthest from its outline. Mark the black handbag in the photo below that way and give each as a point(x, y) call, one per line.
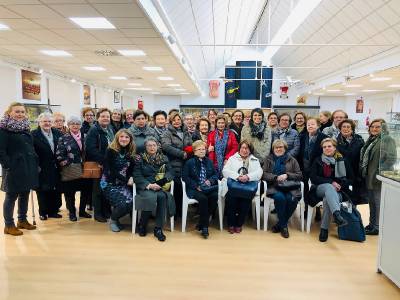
point(354, 230)
point(208, 188)
point(288, 185)
point(245, 190)
point(71, 172)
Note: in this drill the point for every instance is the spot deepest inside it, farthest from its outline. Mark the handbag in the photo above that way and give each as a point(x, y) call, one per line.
point(91, 169)
point(160, 176)
point(354, 230)
point(71, 172)
point(245, 190)
point(288, 185)
point(208, 188)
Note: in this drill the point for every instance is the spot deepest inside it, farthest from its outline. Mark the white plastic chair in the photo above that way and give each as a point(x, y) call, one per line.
point(186, 201)
point(256, 203)
point(267, 205)
point(135, 213)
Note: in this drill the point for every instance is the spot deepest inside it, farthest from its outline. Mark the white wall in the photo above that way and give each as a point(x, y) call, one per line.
point(8, 87)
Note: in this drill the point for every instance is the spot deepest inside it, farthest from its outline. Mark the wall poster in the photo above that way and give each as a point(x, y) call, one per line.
point(31, 85)
point(360, 105)
point(86, 94)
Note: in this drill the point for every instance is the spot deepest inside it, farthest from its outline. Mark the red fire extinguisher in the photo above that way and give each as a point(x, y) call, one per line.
point(140, 104)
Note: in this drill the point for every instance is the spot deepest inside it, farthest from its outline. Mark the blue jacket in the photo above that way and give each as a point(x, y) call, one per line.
point(292, 139)
point(191, 174)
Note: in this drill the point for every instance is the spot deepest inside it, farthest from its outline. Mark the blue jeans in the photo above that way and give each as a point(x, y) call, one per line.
point(8, 207)
point(285, 206)
point(331, 202)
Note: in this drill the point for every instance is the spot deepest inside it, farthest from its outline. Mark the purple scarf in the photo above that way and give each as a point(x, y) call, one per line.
point(10, 124)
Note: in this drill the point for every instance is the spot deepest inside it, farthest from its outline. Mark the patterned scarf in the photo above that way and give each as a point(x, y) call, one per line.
point(257, 130)
point(220, 148)
point(77, 138)
point(10, 124)
point(203, 172)
point(281, 132)
point(154, 160)
point(337, 160)
point(109, 134)
point(366, 153)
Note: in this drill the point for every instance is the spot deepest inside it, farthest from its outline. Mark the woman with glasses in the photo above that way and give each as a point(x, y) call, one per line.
point(59, 122)
point(88, 115)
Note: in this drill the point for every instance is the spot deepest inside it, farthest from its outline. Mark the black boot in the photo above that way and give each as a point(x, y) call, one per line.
point(323, 235)
point(339, 219)
point(318, 214)
point(142, 228)
point(204, 232)
point(158, 233)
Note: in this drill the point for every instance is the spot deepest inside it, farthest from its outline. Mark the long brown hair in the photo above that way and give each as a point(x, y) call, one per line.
point(117, 147)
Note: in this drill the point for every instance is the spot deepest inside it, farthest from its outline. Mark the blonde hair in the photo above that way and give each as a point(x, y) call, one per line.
point(329, 140)
point(198, 144)
point(117, 147)
point(58, 114)
point(280, 142)
point(13, 104)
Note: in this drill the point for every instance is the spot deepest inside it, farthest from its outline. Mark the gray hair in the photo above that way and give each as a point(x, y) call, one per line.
point(45, 115)
point(150, 139)
point(74, 120)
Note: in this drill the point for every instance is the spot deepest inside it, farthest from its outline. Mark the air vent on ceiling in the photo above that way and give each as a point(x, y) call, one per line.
point(107, 53)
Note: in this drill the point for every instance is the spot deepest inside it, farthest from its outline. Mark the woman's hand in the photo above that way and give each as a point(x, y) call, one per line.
point(210, 148)
point(207, 182)
point(130, 181)
point(282, 177)
point(243, 178)
point(153, 186)
point(336, 186)
point(184, 155)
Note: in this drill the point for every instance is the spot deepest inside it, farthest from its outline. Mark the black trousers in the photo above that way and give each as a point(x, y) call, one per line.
point(236, 209)
point(86, 191)
point(101, 207)
point(207, 204)
point(122, 209)
point(160, 211)
point(48, 202)
point(70, 202)
point(178, 194)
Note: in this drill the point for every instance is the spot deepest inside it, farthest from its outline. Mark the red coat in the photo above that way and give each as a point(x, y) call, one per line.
point(231, 146)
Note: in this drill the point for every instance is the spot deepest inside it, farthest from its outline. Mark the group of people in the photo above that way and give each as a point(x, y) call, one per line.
point(206, 153)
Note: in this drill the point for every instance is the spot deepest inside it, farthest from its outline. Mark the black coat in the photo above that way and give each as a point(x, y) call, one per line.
point(237, 130)
point(85, 128)
point(96, 144)
point(327, 124)
point(19, 162)
point(316, 151)
point(114, 168)
point(351, 151)
point(191, 174)
point(49, 173)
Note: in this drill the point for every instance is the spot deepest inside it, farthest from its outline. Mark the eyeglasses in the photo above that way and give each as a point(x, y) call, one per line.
point(89, 115)
point(279, 147)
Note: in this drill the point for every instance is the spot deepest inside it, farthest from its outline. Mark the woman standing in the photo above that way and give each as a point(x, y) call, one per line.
point(152, 175)
point(349, 144)
point(272, 120)
point(243, 166)
point(19, 161)
point(116, 181)
point(284, 132)
point(69, 152)
point(331, 176)
point(325, 119)
point(141, 130)
point(88, 115)
point(221, 145)
point(128, 116)
point(202, 184)
point(212, 117)
point(59, 122)
point(160, 121)
point(174, 143)
point(280, 167)
point(202, 130)
point(258, 134)
point(300, 120)
point(45, 140)
point(373, 158)
point(237, 124)
point(117, 121)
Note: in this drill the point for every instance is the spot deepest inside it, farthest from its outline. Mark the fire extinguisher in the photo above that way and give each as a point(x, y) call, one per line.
point(140, 104)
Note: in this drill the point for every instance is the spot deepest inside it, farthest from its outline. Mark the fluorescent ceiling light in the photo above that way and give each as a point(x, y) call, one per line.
point(152, 68)
point(139, 89)
point(302, 10)
point(173, 84)
point(155, 93)
point(93, 23)
point(349, 94)
point(118, 78)
point(185, 93)
point(134, 84)
point(180, 90)
point(56, 53)
point(394, 86)
point(353, 85)
point(165, 78)
point(73, 80)
point(94, 68)
point(132, 52)
point(333, 91)
point(4, 27)
point(381, 79)
point(319, 94)
point(371, 91)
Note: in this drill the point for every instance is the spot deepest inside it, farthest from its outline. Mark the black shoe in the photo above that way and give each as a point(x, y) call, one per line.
point(339, 219)
point(43, 218)
point(323, 235)
point(273, 211)
point(198, 227)
point(317, 214)
point(84, 215)
point(204, 232)
point(368, 227)
point(142, 230)
point(285, 232)
point(55, 216)
point(100, 219)
point(159, 234)
point(372, 231)
point(275, 228)
point(73, 218)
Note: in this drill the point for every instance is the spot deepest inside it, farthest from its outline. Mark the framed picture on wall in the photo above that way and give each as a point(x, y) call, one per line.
point(31, 85)
point(360, 106)
point(117, 96)
point(86, 94)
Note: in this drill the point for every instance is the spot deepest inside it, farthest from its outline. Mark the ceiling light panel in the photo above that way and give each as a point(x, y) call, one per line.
point(173, 84)
point(56, 53)
point(118, 78)
point(165, 78)
point(132, 52)
point(353, 85)
point(381, 78)
point(134, 84)
point(394, 86)
point(94, 68)
point(333, 91)
point(4, 27)
point(154, 69)
point(93, 23)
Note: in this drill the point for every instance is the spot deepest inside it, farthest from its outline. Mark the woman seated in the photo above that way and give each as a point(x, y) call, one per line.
point(243, 166)
point(116, 181)
point(331, 176)
point(201, 184)
point(153, 176)
point(279, 167)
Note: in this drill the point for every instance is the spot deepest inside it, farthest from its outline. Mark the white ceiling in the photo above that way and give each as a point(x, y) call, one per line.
point(212, 22)
point(44, 24)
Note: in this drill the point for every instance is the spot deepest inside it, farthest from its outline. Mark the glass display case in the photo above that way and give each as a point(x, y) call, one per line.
point(389, 163)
